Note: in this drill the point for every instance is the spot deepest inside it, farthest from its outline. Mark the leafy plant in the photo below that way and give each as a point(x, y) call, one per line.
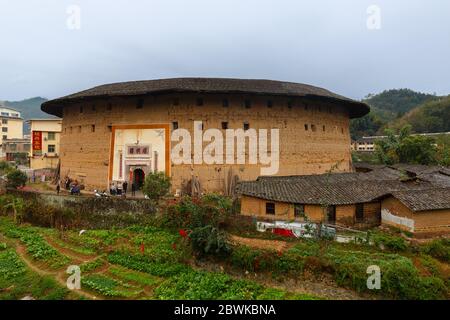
point(156, 186)
point(16, 178)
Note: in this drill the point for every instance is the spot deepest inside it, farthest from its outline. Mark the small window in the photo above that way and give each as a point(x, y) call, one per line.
point(313, 128)
point(175, 125)
point(225, 103)
point(289, 104)
point(4, 121)
point(51, 148)
point(323, 128)
point(247, 104)
point(299, 210)
point(199, 102)
point(246, 126)
point(270, 208)
point(51, 136)
point(144, 150)
point(269, 104)
point(5, 137)
point(306, 127)
point(359, 214)
point(109, 107)
point(138, 150)
point(176, 102)
point(93, 128)
point(131, 150)
point(225, 125)
point(93, 107)
point(140, 104)
point(5, 129)
point(342, 130)
point(81, 109)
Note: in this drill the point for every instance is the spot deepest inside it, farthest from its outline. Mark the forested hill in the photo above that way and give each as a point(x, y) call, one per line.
point(391, 108)
point(30, 108)
point(432, 116)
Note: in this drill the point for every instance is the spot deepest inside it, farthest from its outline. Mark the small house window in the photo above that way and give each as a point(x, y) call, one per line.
point(289, 104)
point(247, 104)
point(175, 125)
point(140, 104)
point(270, 208)
point(4, 121)
point(323, 128)
point(246, 126)
point(342, 130)
point(224, 125)
point(51, 148)
point(93, 128)
point(51, 136)
point(313, 128)
point(225, 103)
point(299, 210)
point(359, 214)
point(306, 127)
point(199, 102)
point(5, 137)
point(131, 150)
point(269, 104)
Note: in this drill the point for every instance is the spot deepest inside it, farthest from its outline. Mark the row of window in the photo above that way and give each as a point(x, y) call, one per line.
point(78, 129)
point(299, 211)
point(247, 103)
point(7, 114)
point(313, 128)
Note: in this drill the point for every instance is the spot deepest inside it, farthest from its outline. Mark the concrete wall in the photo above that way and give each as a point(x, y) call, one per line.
point(49, 128)
point(85, 154)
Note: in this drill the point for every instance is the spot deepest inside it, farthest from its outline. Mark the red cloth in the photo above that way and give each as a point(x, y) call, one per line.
point(283, 232)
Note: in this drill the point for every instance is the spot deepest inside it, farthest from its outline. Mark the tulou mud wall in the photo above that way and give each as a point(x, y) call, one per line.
point(314, 135)
point(81, 212)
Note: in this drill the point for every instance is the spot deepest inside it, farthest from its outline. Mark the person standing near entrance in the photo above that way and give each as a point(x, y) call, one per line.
point(133, 189)
point(125, 187)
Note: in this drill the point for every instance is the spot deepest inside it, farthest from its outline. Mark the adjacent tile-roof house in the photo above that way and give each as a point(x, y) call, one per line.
point(420, 194)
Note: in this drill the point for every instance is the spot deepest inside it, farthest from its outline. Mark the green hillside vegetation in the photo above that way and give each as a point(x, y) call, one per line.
point(30, 109)
point(390, 107)
point(432, 116)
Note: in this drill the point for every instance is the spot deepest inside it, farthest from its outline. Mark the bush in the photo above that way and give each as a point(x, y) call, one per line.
point(392, 243)
point(16, 178)
point(439, 249)
point(156, 186)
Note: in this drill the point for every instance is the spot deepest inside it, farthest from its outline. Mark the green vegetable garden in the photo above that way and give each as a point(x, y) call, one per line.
point(186, 253)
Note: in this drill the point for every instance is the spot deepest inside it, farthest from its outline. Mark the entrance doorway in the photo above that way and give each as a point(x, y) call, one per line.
point(331, 214)
point(138, 178)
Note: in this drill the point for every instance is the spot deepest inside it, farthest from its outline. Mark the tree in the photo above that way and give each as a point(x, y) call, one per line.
point(18, 206)
point(405, 148)
point(16, 178)
point(156, 186)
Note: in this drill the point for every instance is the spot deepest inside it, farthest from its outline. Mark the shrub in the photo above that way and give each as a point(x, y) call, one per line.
point(392, 243)
point(156, 186)
point(439, 249)
point(16, 178)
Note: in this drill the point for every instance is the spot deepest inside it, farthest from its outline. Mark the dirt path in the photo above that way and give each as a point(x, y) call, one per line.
point(59, 276)
point(76, 256)
point(276, 245)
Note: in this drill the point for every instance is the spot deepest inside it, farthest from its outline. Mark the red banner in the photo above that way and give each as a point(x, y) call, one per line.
point(37, 142)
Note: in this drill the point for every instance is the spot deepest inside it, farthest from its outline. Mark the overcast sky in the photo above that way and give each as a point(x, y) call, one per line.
point(322, 42)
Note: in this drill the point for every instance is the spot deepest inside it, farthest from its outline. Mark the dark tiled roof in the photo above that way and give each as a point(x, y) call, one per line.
point(339, 188)
point(207, 85)
point(422, 200)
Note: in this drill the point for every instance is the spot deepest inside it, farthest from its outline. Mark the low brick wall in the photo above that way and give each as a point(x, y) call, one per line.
point(82, 211)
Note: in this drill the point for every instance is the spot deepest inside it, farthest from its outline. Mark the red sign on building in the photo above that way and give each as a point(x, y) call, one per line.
point(37, 142)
